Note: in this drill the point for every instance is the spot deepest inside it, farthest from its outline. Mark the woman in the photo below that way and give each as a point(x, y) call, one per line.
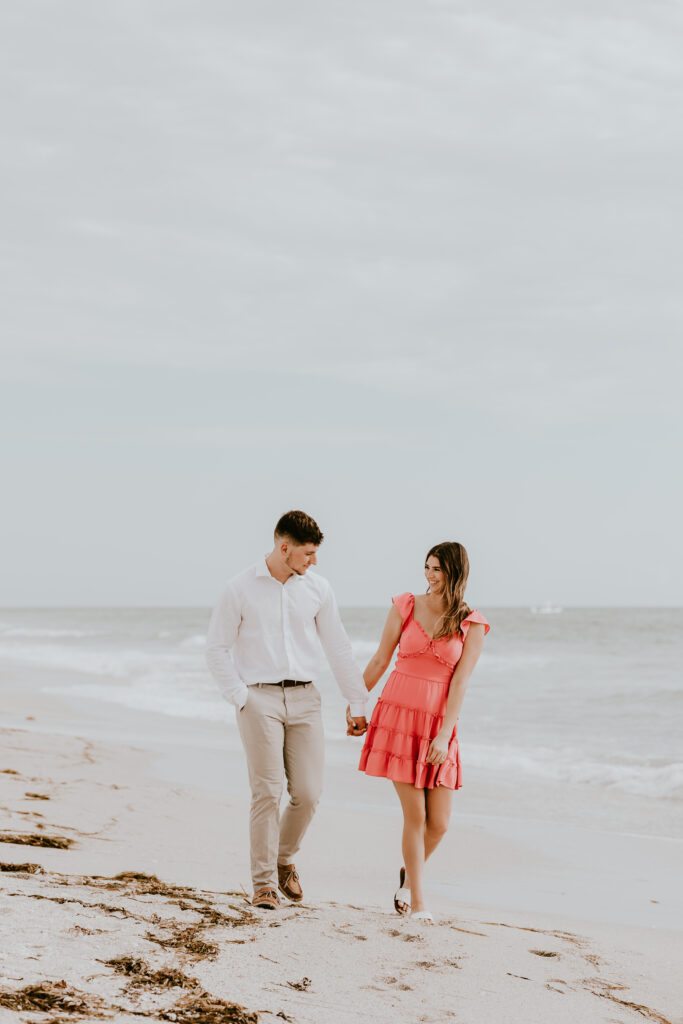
point(412, 736)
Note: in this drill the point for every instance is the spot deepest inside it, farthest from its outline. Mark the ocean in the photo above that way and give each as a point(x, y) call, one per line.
point(572, 714)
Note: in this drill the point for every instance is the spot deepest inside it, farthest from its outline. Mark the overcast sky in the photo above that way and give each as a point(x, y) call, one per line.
point(412, 267)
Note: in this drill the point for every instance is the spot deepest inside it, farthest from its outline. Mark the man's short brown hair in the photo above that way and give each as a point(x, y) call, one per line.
point(299, 527)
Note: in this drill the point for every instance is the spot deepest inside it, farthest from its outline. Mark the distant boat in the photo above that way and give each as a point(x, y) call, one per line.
point(546, 609)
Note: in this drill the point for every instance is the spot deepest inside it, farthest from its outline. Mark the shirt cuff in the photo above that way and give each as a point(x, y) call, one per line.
point(241, 698)
point(357, 710)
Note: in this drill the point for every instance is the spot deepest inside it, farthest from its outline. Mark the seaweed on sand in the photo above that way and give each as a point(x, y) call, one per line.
point(207, 1009)
point(30, 869)
point(141, 974)
point(52, 995)
point(55, 842)
point(185, 939)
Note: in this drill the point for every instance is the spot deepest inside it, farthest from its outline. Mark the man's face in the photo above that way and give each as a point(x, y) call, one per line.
point(299, 557)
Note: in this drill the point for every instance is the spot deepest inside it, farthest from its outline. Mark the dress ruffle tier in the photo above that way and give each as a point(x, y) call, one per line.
point(397, 744)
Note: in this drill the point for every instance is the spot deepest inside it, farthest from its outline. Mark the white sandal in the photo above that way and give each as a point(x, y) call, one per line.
point(422, 915)
point(402, 895)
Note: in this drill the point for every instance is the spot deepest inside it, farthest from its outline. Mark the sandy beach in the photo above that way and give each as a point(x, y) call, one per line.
point(125, 881)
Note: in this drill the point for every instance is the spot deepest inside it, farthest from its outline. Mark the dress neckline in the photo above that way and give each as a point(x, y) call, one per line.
point(419, 624)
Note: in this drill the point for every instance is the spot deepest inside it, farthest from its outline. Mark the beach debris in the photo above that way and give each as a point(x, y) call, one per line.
point(186, 939)
point(208, 1009)
point(37, 796)
point(54, 842)
point(142, 883)
point(542, 952)
point(186, 898)
point(468, 931)
point(301, 986)
point(8, 771)
point(557, 933)
point(603, 990)
point(522, 976)
point(141, 974)
point(29, 869)
point(52, 995)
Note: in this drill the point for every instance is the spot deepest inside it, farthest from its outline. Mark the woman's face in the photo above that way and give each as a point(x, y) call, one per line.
point(434, 575)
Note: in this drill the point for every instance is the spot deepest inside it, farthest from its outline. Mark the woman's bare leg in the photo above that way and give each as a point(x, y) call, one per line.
point(413, 844)
point(439, 802)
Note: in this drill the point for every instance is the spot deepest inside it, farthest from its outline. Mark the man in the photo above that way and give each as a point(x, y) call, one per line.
point(263, 650)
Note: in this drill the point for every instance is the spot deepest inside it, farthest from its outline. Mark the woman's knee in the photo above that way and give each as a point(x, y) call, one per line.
point(437, 825)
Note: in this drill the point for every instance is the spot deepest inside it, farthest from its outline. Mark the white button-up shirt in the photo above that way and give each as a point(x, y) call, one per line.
point(262, 631)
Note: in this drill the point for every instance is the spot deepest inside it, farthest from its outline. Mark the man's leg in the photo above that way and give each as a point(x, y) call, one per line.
point(261, 727)
point(303, 760)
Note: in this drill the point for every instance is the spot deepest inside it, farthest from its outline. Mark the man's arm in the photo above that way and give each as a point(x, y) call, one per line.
point(337, 647)
point(223, 630)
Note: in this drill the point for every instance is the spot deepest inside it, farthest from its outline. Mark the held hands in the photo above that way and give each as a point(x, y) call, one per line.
point(355, 726)
point(438, 749)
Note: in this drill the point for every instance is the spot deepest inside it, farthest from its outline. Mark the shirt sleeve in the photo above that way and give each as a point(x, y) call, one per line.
point(223, 630)
point(337, 648)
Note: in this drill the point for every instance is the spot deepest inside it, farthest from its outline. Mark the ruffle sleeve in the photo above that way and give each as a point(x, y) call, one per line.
point(405, 604)
point(477, 617)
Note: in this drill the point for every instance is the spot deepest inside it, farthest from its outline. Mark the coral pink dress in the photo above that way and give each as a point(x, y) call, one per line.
point(410, 710)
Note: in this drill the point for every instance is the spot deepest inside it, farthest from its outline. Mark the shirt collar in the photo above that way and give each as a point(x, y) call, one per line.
point(263, 570)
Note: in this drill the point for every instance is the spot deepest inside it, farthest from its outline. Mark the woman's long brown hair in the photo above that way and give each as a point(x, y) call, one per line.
point(455, 566)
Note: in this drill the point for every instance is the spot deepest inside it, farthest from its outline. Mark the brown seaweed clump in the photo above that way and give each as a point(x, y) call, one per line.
point(187, 940)
point(149, 884)
point(208, 1009)
point(29, 869)
point(54, 842)
point(52, 995)
point(141, 974)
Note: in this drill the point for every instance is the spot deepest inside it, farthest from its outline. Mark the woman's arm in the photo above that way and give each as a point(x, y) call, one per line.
point(379, 662)
point(474, 642)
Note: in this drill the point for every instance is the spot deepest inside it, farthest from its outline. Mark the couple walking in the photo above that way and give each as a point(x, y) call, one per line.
point(263, 651)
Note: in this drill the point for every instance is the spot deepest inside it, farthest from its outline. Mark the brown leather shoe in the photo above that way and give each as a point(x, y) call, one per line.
point(266, 899)
point(289, 883)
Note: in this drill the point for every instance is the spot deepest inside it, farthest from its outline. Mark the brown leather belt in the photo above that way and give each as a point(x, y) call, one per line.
point(290, 682)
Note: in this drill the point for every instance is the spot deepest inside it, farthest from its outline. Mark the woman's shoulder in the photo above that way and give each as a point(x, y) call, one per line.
point(474, 618)
point(404, 604)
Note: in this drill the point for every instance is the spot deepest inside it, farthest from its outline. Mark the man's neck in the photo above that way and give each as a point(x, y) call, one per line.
point(277, 569)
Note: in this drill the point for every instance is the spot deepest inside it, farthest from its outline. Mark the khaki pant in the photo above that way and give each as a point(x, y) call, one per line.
point(282, 734)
